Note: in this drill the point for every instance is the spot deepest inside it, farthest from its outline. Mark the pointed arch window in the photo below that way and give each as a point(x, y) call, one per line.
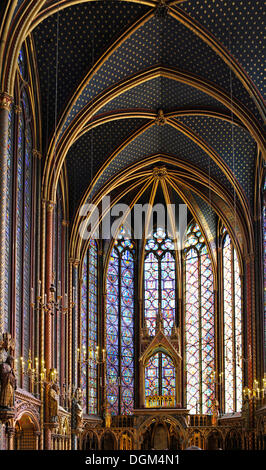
point(23, 229)
point(159, 282)
point(21, 193)
point(160, 380)
point(89, 328)
point(9, 202)
point(120, 327)
point(232, 327)
point(199, 323)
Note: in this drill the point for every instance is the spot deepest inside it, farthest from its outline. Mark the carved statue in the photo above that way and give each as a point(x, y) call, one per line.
point(8, 383)
point(215, 412)
point(77, 409)
point(53, 403)
point(108, 419)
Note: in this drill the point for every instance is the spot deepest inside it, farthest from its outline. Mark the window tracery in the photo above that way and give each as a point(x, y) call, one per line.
point(120, 327)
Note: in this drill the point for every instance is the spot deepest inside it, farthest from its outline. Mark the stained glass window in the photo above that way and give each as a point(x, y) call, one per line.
point(89, 329)
point(22, 62)
point(23, 231)
point(84, 328)
point(160, 376)
point(159, 282)
point(199, 323)
point(120, 327)
point(232, 321)
point(10, 161)
point(92, 328)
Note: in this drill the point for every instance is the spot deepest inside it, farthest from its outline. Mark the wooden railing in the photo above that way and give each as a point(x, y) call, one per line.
point(157, 401)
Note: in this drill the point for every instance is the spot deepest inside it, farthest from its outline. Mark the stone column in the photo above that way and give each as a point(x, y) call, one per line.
point(75, 312)
point(48, 318)
point(69, 328)
point(251, 339)
point(5, 103)
point(37, 440)
point(48, 282)
point(10, 438)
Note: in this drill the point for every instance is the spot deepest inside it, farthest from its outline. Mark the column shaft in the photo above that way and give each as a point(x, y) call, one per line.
point(5, 103)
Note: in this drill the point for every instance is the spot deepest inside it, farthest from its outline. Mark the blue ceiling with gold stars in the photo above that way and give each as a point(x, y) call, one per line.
point(238, 25)
point(89, 152)
point(85, 32)
point(163, 93)
point(166, 140)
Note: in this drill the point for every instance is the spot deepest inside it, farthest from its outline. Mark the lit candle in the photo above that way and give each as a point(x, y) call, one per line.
point(59, 289)
point(104, 354)
point(74, 294)
point(32, 296)
point(39, 288)
point(29, 364)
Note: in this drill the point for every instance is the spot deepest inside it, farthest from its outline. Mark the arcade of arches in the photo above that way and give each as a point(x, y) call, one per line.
point(146, 117)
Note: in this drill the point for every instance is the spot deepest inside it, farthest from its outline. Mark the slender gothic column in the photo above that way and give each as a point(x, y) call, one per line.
point(75, 325)
point(69, 327)
point(251, 340)
point(5, 103)
point(63, 317)
point(74, 337)
point(48, 282)
point(48, 318)
point(10, 438)
point(250, 320)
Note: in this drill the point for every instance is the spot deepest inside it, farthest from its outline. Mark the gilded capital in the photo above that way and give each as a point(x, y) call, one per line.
point(50, 206)
point(37, 154)
point(5, 101)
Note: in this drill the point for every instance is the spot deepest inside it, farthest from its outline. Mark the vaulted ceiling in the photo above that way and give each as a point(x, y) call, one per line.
point(118, 62)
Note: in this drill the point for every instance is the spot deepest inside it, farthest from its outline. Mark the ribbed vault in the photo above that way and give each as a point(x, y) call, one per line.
point(118, 63)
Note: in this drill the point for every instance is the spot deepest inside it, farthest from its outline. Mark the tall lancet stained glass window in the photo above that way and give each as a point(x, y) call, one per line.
point(120, 328)
point(23, 229)
point(232, 326)
point(9, 200)
point(159, 281)
point(89, 330)
point(199, 323)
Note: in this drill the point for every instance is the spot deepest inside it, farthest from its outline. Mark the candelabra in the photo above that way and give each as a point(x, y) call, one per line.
point(34, 369)
point(93, 355)
point(256, 392)
point(217, 379)
point(55, 304)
